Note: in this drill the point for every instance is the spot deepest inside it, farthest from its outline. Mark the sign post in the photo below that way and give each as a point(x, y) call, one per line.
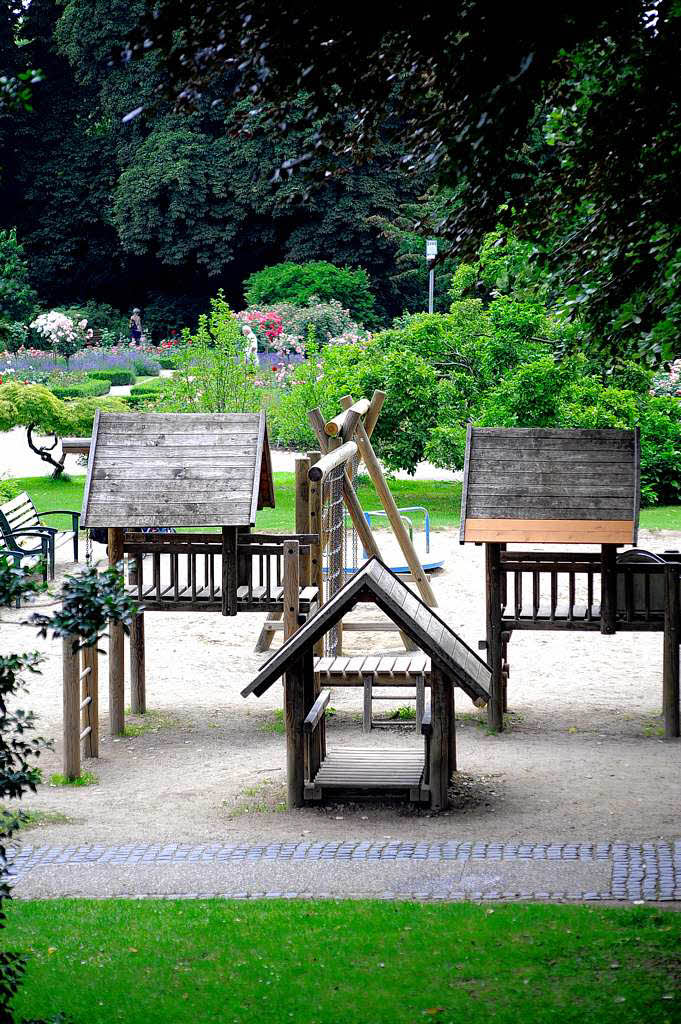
point(431, 253)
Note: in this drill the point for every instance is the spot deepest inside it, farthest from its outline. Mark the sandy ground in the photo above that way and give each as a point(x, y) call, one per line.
point(583, 758)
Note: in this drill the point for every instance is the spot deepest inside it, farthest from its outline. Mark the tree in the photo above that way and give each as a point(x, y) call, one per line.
point(34, 407)
point(17, 297)
point(566, 114)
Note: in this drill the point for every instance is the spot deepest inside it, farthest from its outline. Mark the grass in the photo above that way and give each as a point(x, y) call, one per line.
point(150, 721)
point(348, 962)
point(276, 723)
point(36, 819)
point(442, 498)
point(265, 797)
point(84, 779)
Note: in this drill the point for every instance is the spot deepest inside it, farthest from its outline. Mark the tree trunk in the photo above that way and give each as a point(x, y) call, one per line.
point(44, 453)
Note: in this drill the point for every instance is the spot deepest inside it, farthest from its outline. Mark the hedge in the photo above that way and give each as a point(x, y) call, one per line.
point(86, 389)
point(116, 378)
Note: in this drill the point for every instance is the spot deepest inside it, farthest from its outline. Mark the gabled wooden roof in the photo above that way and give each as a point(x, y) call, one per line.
point(375, 582)
point(549, 485)
point(177, 469)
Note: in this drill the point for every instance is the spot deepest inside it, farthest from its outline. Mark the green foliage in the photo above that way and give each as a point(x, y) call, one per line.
point(146, 367)
point(81, 389)
point(84, 779)
point(108, 323)
point(18, 299)
point(327, 319)
point(214, 370)
point(116, 378)
point(146, 393)
point(33, 405)
point(298, 284)
point(89, 601)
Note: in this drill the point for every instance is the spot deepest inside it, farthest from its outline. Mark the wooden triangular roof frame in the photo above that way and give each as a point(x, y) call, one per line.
point(375, 582)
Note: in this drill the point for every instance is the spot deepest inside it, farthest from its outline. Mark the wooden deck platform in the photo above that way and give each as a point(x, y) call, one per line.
point(370, 772)
point(387, 670)
point(186, 598)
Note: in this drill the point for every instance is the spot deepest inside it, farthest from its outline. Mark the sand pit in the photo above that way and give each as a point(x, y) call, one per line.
point(583, 758)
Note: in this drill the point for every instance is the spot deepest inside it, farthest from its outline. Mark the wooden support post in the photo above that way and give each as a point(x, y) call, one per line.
point(608, 588)
point(439, 741)
point(316, 556)
point(291, 588)
point(229, 569)
point(451, 702)
point(116, 650)
point(399, 529)
point(420, 682)
point(367, 683)
point(138, 691)
point(90, 711)
point(495, 705)
point(672, 638)
point(303, 512)
point(71, 724)
point(311, 691)
point(294, 714)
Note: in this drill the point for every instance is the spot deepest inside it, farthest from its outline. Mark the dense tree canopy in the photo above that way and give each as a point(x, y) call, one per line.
point(163, 209)
point(567, 115)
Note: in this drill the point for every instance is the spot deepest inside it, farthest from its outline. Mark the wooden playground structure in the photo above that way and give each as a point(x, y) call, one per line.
point(180, 470)
point(553, 486)
point(422, 775)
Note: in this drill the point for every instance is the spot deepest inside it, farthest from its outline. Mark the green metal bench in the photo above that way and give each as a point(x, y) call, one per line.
point(21, 523)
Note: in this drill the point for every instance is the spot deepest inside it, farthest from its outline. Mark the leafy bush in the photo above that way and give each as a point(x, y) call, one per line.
point(116, 378)
point(145, 366)
point(82, 389)
point(407, 416)
point(109, 324)
point(300, 283)
point(215, 369)
point(546, 393)
point(327, 319)
point(13, 334)
point(18, 300)
point(168, 362)
point(146, 392)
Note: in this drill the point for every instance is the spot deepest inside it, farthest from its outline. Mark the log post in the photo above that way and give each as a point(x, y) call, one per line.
point(116, 650)
point(90, 711)
point(672, 638)
point(291, 587)
point(399, 529)
point(138, 689)
point(451, 711)
point(71, 723)
point(495, 705)
point(311, 691)
point(439, 741)
point(608, 589)
point(294, 714)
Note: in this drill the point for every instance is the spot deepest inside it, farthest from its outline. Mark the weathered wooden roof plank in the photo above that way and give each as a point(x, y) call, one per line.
point(177, 469)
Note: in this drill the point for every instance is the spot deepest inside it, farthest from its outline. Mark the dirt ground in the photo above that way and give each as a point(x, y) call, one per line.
point(582, 759)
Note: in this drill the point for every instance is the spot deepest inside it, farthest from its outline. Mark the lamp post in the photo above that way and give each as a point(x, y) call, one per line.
point(431, 253)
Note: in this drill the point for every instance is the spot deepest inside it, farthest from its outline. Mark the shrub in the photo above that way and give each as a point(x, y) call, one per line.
point(145, 366)
point(109, 324)
point(168, 362)
point(18, 300)
point(301, 283)
point(328, 320)
point(215, 369)
point(82, 389)
point(116, 378)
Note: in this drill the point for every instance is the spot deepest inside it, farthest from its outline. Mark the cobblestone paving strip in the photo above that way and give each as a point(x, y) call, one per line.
point(647, 872)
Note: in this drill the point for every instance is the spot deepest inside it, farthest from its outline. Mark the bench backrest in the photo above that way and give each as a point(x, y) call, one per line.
point(18, 514)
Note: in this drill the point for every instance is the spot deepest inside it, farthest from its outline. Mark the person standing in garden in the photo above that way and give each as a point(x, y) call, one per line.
point(136, 326)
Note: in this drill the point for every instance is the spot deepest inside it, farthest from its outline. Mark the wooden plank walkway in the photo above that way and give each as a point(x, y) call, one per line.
point(362, 768)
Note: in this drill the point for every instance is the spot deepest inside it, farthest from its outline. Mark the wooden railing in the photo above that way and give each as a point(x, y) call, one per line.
point(196, 572)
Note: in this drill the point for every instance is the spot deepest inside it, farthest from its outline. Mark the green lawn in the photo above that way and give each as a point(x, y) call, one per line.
point(345, 962)
point(442, 498)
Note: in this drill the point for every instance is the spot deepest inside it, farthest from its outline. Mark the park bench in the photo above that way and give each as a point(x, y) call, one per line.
point(21, 524)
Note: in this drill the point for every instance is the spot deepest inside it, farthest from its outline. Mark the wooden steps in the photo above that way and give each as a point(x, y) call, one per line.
point(372, 771)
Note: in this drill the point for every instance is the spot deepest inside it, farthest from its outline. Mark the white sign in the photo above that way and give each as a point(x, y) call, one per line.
point(431, 248)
